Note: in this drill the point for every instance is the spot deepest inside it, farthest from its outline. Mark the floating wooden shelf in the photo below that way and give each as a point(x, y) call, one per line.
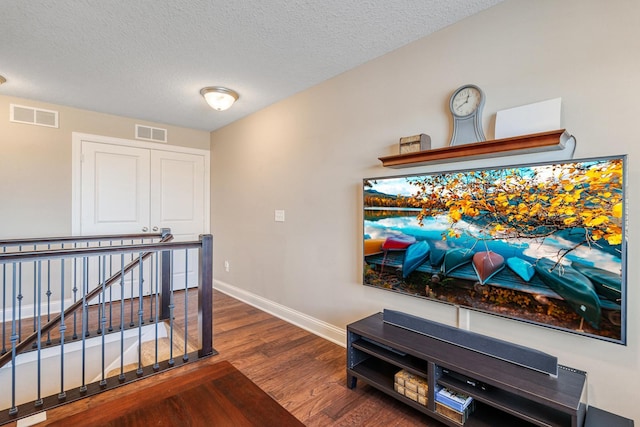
point(523, 144)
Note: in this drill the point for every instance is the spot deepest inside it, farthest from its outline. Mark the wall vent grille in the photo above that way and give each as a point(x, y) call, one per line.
point(149, 133)
point(33, 116)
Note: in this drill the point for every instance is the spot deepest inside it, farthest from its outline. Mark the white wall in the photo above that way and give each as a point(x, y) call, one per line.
point(308, 155)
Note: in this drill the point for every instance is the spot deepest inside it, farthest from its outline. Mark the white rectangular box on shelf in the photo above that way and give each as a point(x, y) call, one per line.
point(527, 119)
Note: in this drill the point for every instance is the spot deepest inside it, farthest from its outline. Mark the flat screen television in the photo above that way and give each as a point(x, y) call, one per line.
point(541, 243)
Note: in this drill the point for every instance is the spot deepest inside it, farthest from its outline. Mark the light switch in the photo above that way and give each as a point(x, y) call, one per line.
point(279, 215)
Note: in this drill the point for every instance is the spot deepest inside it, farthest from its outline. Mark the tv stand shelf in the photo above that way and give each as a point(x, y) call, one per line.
point(512, 395)
point(523, 144)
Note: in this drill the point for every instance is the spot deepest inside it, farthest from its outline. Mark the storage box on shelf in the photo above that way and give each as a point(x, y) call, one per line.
point(456, 401)
point(504, 394)
point(455, 406)
point(456, 416)
point(412, 386)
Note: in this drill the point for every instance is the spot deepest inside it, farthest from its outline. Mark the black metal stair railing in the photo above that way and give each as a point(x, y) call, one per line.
point(92, 276)
point(37, 244)
point(96, 292)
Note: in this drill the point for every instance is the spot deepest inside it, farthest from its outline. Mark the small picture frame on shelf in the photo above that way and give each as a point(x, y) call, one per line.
point(415, 143)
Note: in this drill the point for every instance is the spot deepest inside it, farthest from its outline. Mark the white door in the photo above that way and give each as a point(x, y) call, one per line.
point(177, 202)
point(115, 189)
point(133, 190)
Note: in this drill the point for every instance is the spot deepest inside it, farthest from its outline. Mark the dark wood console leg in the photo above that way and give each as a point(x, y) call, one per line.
point(351, 381)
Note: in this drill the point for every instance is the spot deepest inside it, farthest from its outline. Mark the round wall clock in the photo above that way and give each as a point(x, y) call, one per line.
point(466, 106)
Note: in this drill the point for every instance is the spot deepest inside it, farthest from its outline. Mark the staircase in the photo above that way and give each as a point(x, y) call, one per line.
point(108, 309)
point(152, 352)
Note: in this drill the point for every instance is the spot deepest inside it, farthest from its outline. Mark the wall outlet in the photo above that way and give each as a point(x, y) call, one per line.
point(279, 215)
point(226, 266)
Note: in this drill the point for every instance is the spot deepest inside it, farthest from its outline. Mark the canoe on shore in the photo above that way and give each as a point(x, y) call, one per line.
point(607, 283)
point(373, 246)
point(574, 287)
point(521, 267)
point(397, 243)
point(455, 258)
point(486, 264)
point(414, 256)
point(436, 255)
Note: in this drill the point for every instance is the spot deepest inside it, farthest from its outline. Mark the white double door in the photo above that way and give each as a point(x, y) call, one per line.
point(125, 189)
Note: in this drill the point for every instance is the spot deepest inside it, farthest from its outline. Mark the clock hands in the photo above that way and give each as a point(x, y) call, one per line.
point(465, 101)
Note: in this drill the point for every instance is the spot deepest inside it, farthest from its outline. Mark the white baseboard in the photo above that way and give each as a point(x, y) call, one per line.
point(308, 323)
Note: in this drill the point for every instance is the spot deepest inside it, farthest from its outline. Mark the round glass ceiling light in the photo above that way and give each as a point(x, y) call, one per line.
point(219, 98)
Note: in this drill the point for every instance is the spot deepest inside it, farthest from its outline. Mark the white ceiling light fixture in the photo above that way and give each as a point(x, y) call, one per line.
point(219, 98)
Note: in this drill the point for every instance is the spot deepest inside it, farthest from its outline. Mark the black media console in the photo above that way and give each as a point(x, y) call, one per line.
point(505, 393)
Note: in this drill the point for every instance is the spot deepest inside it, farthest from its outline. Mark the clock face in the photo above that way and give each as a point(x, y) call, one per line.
point(465, 101)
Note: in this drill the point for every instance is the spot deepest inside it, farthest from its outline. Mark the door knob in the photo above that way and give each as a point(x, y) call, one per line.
point(145, 229)
point(155, 228)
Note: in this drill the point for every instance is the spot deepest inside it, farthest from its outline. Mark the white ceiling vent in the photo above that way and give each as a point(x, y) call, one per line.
point(33, 116)
point(149, 133)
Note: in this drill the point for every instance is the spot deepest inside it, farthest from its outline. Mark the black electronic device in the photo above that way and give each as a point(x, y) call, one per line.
point(465, 379)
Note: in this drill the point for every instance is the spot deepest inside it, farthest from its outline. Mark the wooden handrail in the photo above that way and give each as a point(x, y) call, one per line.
point(73, 239)
point(28, 256)
point(14, 257)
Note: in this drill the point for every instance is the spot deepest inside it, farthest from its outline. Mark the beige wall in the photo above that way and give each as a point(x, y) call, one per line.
point(35, 165)
point(308, 155)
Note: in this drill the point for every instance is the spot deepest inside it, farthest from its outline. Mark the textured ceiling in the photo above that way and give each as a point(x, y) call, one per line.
point(148, 59)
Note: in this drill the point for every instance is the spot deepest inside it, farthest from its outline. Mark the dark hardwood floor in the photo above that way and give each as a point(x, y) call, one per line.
point(303, 372)
point(213, 395)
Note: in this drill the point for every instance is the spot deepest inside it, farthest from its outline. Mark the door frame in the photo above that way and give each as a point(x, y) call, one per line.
point(76, 169)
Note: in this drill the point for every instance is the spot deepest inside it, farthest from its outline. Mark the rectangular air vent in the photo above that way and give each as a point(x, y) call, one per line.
point(149, 133)
point(33, 116)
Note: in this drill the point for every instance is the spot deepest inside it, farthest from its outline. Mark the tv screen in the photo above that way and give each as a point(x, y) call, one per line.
point(541, 243)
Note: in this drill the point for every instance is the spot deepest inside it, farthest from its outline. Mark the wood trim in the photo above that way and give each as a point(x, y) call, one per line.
point(543, 141)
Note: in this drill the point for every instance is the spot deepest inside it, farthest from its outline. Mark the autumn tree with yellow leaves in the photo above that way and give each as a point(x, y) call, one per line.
point(528, 202)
